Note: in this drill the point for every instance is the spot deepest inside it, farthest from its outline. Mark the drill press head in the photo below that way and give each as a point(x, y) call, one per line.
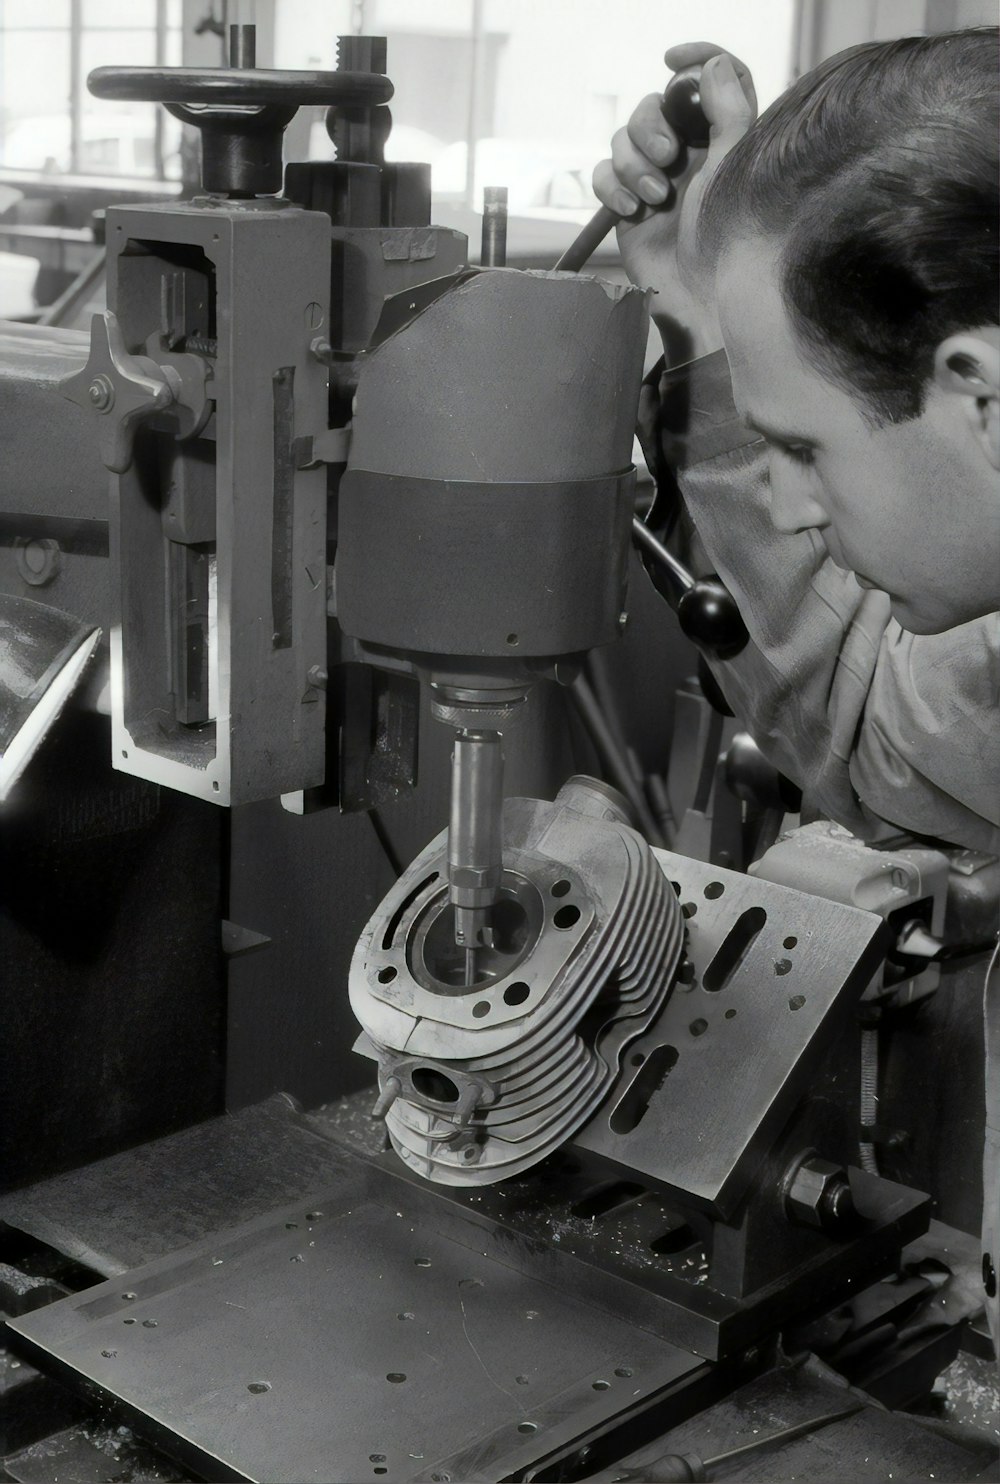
point(483, 535)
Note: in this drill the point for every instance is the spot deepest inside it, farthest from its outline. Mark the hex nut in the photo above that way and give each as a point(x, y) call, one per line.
point(818, 1195)
point(38, 559)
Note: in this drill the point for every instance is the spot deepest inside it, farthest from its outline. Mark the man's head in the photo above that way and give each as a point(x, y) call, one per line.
point(855, 234)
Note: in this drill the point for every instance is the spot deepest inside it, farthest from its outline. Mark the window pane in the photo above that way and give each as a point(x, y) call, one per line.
point(34, 122)
point(117, 49)
point(117, 13)
point(118, 139)
point(29, 14)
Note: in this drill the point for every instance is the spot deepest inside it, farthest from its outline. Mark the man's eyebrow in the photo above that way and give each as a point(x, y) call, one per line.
point(777, 435)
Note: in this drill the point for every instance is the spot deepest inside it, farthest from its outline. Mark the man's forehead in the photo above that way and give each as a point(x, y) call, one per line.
point(776, 389)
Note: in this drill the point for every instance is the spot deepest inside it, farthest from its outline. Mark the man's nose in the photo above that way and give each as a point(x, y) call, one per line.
point(794, 503)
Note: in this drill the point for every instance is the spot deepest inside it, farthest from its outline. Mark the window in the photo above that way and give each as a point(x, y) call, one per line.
point(49, 122)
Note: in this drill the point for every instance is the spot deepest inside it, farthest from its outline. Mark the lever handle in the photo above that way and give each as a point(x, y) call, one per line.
point(121, 388)
point(705, 608)
point(682, 110)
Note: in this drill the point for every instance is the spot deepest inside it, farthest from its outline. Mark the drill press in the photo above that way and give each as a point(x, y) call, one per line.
point(484, 521)
point(483, 530)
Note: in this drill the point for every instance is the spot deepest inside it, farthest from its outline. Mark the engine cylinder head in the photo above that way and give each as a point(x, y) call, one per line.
point(479, 1082)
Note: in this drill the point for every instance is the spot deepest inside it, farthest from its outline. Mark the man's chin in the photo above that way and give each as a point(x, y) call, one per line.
point(917, 620)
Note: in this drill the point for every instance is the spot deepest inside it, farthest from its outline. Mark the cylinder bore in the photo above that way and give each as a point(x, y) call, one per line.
point(438, 963)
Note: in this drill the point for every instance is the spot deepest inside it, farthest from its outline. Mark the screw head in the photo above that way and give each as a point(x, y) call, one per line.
point(101, 394)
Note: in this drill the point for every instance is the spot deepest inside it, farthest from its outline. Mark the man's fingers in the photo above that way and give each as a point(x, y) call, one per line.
point(691, 54)
point(610, 192)
point(650, 133)
point(636, 172)
point(641, 152)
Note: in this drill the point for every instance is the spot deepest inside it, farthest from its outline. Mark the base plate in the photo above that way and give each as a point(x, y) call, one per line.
point(350, 1339)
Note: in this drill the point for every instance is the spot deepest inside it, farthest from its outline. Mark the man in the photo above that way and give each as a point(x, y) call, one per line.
point(843, 252)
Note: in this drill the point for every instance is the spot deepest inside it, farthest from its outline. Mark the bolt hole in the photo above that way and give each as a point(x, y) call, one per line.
point(789, 942)
point(730, 1014)
point(677, 888)
point(259, 1387)
point(796, 1002)
point(396, 1377)
point(376, 1458)
point(601, 1385)
point(689, 909)
point(516, 994)
point(380, 1470)
point(313, 1215)
point(124, 752)
point(405, 1315)
point(128, 1296)
point(638, 1058)
point(149, 1324)
point(291, 1226)
point(215, 785)
point(421, 1262)
point(714, 889)
point(527, 1427)
point(698, 1027)
point(128, 1321)
point(386, 975)
point(481, 1008)
point(783, 966)
point(623, 1370)
point(561, 888)
point(521, 1380)
point(513, 640)
point(566, 917)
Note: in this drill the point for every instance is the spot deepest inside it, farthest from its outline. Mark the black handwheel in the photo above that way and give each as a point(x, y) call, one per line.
point(241, 112)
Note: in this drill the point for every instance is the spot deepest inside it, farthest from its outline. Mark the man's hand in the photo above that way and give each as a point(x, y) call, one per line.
point(659, 246)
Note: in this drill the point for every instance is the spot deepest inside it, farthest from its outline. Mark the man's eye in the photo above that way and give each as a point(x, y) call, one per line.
point(799, 453)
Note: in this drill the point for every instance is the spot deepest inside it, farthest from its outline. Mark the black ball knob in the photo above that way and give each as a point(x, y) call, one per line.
point(681, 107)
point(709, 617)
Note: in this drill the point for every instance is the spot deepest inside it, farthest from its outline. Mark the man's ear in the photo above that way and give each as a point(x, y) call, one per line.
point(968, 365)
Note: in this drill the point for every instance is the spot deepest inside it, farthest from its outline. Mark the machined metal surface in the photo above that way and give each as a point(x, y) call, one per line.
point(212, 697)
point(769, 974)
point(479, 1082)
point(355, 1339)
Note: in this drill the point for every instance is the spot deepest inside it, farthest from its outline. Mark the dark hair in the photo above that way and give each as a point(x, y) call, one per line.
point(878, 175)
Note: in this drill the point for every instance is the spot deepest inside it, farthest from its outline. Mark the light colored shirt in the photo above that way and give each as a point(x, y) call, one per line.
point(876, 725)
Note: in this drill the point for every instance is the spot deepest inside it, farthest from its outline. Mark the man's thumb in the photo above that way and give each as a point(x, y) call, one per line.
point(729, 107)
